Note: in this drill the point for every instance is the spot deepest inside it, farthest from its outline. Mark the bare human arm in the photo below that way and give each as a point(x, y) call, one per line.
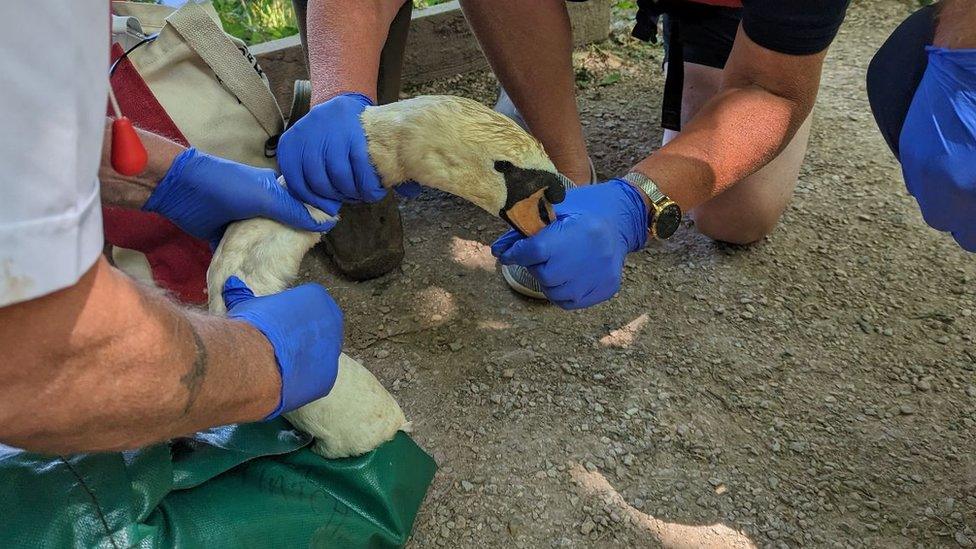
point(133, 191)
point(956, 25)
point(198, 192)
point(108, 365)
point(529, 46)
point(765, 98)
point(345, 40)
point(324, 156)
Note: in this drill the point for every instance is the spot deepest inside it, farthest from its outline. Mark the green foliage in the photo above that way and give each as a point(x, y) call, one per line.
point(256, 21)
point(583, 76)
point(610, 79)
point(427, 3)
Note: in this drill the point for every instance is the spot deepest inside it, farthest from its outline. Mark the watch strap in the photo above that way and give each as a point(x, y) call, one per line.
point(645, 184)
point(663, 215)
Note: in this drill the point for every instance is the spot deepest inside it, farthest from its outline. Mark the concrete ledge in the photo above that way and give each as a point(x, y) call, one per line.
point(284, 62)
point(439, 45)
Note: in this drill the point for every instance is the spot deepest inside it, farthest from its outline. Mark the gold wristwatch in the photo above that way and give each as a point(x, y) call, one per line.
point(663, 215)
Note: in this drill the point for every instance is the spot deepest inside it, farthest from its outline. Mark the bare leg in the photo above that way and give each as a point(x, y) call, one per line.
point(358, 48)
point(529, 45)
point(751, 209)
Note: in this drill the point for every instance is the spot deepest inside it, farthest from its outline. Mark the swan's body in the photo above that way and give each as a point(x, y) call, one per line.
point(448, 143)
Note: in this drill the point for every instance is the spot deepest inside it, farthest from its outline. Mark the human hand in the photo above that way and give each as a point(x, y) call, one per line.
point(201, 194)
point(325, 157)
point(304, 326)
point(938, 144)
point(579, 258)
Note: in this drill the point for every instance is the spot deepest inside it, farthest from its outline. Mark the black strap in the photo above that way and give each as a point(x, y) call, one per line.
point(674, 81)
point(648, 14)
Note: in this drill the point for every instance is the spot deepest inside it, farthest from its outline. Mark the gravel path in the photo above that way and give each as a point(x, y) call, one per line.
point(815, 390)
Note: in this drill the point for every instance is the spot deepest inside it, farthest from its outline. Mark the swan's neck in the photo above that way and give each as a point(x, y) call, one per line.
point(451, 144)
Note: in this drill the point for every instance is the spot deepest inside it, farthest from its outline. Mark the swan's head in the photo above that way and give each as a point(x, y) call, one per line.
point(530, 194)
point(503, 162)
point(462, 147)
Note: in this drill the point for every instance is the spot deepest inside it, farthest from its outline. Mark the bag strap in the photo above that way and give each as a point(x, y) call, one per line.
point(152, 17)
point(234, 71)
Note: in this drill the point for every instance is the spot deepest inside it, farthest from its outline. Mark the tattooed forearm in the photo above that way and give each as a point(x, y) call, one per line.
point(193, 379)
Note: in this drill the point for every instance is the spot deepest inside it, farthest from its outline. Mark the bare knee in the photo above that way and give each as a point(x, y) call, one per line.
point(745, 228)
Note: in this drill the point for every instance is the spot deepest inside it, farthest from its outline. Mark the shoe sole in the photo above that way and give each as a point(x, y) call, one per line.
point(519, 287)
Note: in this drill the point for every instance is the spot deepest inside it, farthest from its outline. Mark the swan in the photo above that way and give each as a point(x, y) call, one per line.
point(449, 143)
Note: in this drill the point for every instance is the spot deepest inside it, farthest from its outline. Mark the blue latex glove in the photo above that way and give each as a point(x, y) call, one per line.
point(938, 144)
point(304, 326)
point(325, 159)
point(201, 194)
point(579, 258)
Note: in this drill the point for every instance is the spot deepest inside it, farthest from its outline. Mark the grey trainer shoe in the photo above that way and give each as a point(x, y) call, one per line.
point(519, 279)
point(505, 106)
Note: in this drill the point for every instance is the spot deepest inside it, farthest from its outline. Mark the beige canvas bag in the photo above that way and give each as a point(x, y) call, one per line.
point(208, 82)
point(210, 86)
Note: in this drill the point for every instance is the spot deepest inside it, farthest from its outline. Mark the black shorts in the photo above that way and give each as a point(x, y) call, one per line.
point(706, 33)
point(896, 70)
point(693, 33)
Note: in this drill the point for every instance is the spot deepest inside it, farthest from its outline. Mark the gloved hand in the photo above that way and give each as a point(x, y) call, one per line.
point(938, 144)
point(304, 326)
point(201, 194)
point(325, 159)
point(579, 258)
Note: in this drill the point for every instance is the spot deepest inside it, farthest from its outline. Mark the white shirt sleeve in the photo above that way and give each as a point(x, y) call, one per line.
point(52, 110)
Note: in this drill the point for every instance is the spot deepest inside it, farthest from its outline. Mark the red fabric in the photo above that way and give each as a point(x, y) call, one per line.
point(178, 261)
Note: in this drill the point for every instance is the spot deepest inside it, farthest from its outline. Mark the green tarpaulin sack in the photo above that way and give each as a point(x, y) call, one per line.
point(254, 485)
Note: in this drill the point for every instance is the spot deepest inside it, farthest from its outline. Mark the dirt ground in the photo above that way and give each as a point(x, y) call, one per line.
point(815, 390)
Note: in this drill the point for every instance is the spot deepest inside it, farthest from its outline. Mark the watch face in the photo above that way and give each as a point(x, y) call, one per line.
point(667, 221)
